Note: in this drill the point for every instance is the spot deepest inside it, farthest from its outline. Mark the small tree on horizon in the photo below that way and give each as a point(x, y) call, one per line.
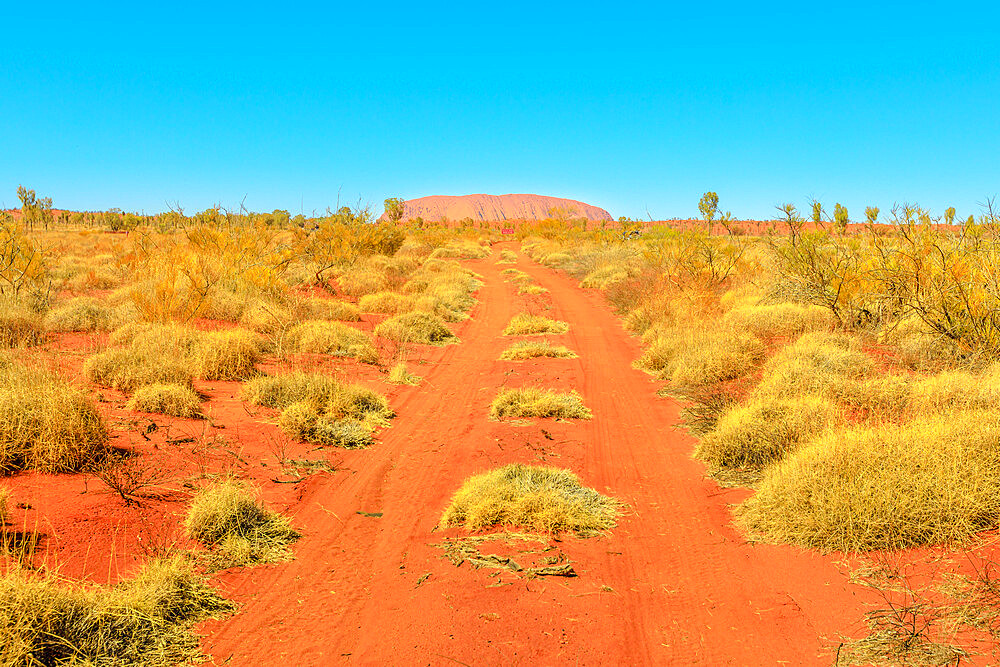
point(394, 209)
point(871, 213)
point(709, 206)
point(949, 215)
point(840, 218)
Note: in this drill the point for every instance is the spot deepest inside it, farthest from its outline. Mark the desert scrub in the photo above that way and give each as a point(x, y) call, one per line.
point(147, 620)
point(45, 423)
point(88, 314)
point(535, 498)
point(697, 356)
point(765, 430)
point(126, 369)
point(527, 349)
point(240, 531)
point(319, 409)
point(530, 288)
point(226, 355)
point(321, 337)
point(400, 374)
point(932, 481)
point(416, 327)
point(536, 402)
point(816, 364)
point(780, 320)
point(507, 257)
point(526, 324)
point(167, 399)
point(389, 303)
point(19, 326)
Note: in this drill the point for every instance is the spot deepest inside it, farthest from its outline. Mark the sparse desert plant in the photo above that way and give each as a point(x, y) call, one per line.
point(507, 257)
point(126, 370)
point(529, 349)
point(321, 337)
point(280, 391)
point(765, 430)
point(228, 518)
point(19, 326)
point(307, 422)
point(416, 327)
point(147, 620)
point(934, 480)
point(389, 303)
point(226, 355)
point(45, 423)
point(695, 356)
point(783, 319)
point(400, 374)
point(530, 288)
point(536, 402)
point(168, 399)
point(526, 324)
point(88, 314)
point(535, 498)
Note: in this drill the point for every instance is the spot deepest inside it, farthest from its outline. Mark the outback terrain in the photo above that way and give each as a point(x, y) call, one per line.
point(254, 440)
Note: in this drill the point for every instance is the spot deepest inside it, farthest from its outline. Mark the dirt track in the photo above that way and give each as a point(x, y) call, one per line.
point(674, 583)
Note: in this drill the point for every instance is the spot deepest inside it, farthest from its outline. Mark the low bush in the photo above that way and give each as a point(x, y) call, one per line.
point(45, 423)
point(699, 356)
point(126, 370)
point(507, 257)
point(147, 620)
point(780, 320)
point(535, 498)
point(228, 518)
point(305, 421)
point(416, 327)
point(19, 326)
point(525, 349)
point(389, 303)
point(535, 402)
point(401, 375)
point(526, 324)
point(321, 337)
point(934, 480)
point(168, 399)
point(88, 314)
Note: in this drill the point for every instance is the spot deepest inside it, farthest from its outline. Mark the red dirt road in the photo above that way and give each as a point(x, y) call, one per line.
point(674, 583)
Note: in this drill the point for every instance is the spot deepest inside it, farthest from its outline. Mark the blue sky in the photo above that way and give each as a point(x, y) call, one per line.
point(636, 108)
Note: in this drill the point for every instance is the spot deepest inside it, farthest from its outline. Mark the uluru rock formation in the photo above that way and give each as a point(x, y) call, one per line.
point(494, 208)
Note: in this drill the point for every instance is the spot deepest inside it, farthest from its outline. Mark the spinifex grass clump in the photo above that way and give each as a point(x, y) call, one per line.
point(536, 402)
point(527, 349)
point(525, 324)
point(507, 257)
point(45, 423)
point(88, 314)
point(932, 481)
point(319, 409)
point(389, 303)
point(535, 498)
point(321, 337)
point(229, 519)
point(172, 354)
point(168, 399)
point(417, 327)
point(400, 374)
point(782, 319)
point(19, 326)
point(143, 621)
point(695, 356)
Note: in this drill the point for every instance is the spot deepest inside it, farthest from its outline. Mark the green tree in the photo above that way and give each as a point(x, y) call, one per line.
point(709, 206)
point(817, 212)
point(36, 210)
point(871, 213)
point(949, 215)
point(394, 209)
point(840, 218)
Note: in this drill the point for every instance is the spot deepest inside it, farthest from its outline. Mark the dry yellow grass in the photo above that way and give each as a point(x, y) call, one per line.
point(45, 423)
point(88, 314)
point(695, 356)
point(535, 498)
point(228, 518)
point(526, 324)
point(400, 374)
point(931, 481)
point(529, 349)
point(783, 319)
point(507, 257)
point(19, 326)
point(147, 620)
point(389, 303)
point(168, 399)
point(531, 402)
point(416, 327)
point(765, 430)
point(321, 337)
point(305, 421)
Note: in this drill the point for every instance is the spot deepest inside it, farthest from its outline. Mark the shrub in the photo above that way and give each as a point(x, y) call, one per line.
point(525, 324)
point(401, 375)
point(168, 399)
point(280, 391)
point(783, 319)
point(88, 314)
point(331, 309)
point(227, 355)
point(605, 276)
point(525, 349)
point(389, 303)
point(817, 364)
point(144, 621)
point(305, 422)
point(320, 337)
point(532, 497)
point(45, 423)
point(765, 430)
point(697, 356)
point(227, 518)
point(416, 327)
point(934, 480)
point(126, 370)
point(19, 326)
point(536, 402)
point(507, 257)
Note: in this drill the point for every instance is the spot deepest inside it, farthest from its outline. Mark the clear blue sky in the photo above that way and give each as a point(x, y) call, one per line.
point(634, 108)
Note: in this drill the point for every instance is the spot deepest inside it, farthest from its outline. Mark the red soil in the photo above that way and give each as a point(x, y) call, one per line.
point(673, 583)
